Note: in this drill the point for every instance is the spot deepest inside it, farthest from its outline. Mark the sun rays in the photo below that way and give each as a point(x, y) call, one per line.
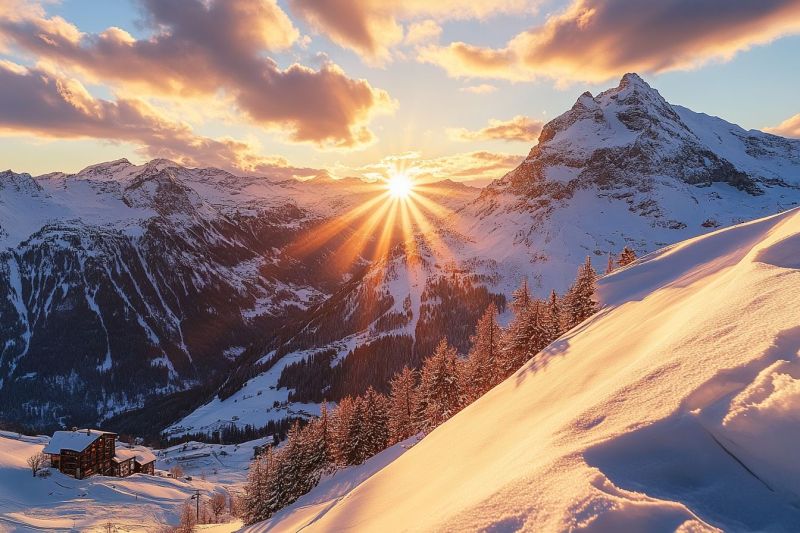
point(398, 209)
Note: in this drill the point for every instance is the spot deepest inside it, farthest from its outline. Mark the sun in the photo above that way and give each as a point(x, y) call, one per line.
point(400, 186)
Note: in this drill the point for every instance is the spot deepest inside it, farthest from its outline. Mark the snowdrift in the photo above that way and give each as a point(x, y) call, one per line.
point(677, 407)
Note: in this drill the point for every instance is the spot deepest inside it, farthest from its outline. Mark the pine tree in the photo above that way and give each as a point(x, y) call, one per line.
point(555, 317)
point(340, 424)
point(355, 445)
point(403, 406)
point(439, 386)
point(539, 328)
point(483, 369)
point(580, 298)
point(376, 423)
point(610, 266)
point(521, 297)
point(626, 257)
point(258, 502)
point(515, 339)
point(291, 468)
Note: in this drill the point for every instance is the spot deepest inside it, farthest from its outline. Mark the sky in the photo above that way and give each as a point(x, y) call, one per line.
point(293, 88)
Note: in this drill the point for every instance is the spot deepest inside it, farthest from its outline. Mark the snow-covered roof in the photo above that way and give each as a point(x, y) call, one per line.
point(142, 455)
point(124, 454)
point(77, 440)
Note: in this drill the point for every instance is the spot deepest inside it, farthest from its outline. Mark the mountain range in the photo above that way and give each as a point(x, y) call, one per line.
point(123, 285)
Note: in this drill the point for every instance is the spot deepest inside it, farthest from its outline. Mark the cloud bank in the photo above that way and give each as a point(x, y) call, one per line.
point(201, 48)
point(595, 40)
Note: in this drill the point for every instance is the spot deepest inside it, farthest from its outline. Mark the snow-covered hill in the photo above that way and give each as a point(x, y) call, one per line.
point(623, 168)
point(672, 409)
point(138, 503)
point(124, 282)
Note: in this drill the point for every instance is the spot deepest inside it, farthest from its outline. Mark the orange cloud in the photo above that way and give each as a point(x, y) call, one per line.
point(36, 102)
point(373, 27)
point(594, 40)
point(202, 48)
point(788, 128)
point(519, 128)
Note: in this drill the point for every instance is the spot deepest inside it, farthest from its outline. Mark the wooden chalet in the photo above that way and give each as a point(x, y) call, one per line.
point(82, 453)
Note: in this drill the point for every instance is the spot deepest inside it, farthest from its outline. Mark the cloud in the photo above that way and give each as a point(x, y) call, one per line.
point(788, 128)
point(473, 167)
point(519, 128)
point(373, 27)
point(205, 48)
point(595, 40)
point(40, 103)
point(422, 32)
point(483, 88)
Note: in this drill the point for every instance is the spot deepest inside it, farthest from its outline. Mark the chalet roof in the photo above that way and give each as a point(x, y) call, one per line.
point(77, 440)
point(123, 454)
point(142, 455)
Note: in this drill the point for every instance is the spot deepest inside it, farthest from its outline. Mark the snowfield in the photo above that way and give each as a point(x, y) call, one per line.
point(674, 408)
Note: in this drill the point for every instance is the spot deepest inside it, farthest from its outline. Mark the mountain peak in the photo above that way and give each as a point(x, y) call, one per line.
point(105, 170)
point(631, 78)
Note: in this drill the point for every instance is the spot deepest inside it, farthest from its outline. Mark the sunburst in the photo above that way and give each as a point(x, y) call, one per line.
point(401, 209)
point(400, 185)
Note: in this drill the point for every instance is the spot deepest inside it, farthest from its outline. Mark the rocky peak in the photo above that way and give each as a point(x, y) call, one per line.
point(106, 170)
point(18, 182)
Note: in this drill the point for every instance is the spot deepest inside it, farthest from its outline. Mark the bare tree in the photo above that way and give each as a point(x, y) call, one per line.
point(37, 462)
point(188, 522)
point(176, 471)
point(217, 503)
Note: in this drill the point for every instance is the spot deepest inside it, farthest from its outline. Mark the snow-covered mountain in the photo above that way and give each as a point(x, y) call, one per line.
point(623, 168)
point(675, 408)
point(123, 282)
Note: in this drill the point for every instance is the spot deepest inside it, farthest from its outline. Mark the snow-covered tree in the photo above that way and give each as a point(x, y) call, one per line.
point(626, 257)
point(259, 501)
point(376, 423)
point(580, 303)
point(439, 386)
point(340, 426)
point(483, 369)
point(555, 317)
point(403, 406)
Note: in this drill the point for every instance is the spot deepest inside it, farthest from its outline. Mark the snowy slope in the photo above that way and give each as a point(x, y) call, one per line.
point(331, 488)
point(674, 408)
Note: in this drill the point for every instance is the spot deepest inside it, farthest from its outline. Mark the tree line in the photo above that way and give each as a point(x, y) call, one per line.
point(418, 400)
